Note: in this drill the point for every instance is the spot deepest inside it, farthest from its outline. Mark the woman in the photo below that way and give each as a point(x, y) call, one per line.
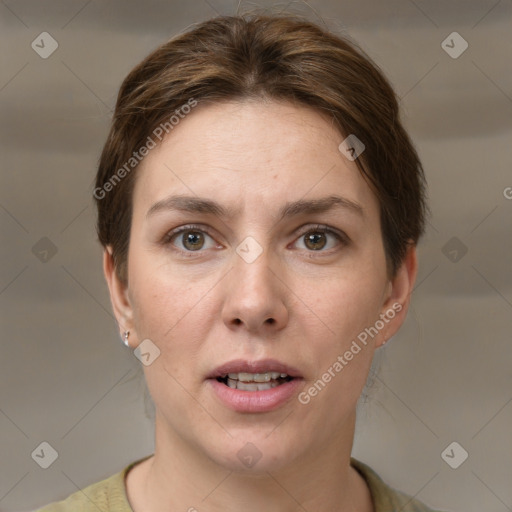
point(259, 204)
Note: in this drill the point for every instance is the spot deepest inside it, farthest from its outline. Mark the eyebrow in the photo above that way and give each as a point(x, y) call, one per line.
point(193, 204)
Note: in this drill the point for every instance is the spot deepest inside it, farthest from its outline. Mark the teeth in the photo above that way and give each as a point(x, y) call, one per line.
point(252, 386)
point(256, 377)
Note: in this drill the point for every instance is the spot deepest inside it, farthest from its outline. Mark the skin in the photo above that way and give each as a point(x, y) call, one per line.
point(214, 307)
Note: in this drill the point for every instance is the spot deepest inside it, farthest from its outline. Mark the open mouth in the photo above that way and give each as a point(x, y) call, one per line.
point(254, 381)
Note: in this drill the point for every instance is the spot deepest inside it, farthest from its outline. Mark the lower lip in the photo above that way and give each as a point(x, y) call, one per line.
point(255, 401)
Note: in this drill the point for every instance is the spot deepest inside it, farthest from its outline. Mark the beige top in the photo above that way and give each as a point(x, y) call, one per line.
point(109, 495)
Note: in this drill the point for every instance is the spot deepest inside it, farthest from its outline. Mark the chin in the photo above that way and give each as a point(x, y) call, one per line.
point(253, 452)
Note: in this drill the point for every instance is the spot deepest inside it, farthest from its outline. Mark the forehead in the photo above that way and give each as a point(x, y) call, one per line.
point(251, 154)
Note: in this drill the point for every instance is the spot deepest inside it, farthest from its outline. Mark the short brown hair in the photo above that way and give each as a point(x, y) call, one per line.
point(278, 57)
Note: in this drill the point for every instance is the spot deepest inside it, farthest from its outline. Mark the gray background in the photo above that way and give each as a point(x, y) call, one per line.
point(65, 377)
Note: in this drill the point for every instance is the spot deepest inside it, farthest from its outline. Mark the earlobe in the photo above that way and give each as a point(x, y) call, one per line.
point(118, 293)
point(400, 288)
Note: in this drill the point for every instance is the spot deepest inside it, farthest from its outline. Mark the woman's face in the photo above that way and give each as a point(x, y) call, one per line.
point(262, 274)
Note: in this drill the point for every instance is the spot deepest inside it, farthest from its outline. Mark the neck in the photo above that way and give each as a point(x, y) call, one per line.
point(179, 477)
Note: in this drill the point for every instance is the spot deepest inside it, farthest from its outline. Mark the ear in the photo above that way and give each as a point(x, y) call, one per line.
point(119, 296)
point(396, 302)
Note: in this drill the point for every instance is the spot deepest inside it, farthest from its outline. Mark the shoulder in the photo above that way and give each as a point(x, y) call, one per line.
point(386, 498)
point(106, 495)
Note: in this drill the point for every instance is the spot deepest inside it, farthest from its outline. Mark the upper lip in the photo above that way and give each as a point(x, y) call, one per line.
point(260, 366)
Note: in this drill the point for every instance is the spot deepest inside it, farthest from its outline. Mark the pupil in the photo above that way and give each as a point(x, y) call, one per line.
point(314, 238)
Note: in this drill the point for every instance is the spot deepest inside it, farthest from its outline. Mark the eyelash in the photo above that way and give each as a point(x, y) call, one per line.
point(318, 228)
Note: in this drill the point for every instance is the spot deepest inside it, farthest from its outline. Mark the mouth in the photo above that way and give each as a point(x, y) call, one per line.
point(250, 396)
point(244, 381)
point(254, 386)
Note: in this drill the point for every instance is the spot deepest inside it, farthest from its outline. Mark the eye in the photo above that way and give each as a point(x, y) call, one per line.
point(317, 239)
point(190, 238)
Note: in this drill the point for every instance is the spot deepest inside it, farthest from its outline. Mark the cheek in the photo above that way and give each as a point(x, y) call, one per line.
point(169, 308)
point(173, 313)
point(349, 303)
point(342, 348)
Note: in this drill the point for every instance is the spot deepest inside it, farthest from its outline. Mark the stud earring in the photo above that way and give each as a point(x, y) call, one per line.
point(385, 341)
point(124, 339)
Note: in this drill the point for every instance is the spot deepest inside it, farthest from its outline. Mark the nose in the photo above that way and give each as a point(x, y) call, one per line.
point(255, 297)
